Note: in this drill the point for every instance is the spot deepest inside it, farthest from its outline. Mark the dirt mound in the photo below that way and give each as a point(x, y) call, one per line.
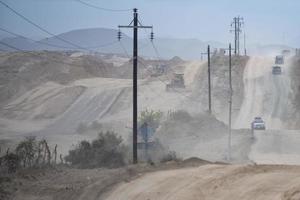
point(194, 161)
point(176, 60)
point(182, 124)
point(44, 102)
point(203, 136)
point(21, 71)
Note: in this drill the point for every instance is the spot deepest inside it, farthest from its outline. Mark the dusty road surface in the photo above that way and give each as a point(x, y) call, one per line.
point(234, 182)
point(276, 147)
point(266, 95)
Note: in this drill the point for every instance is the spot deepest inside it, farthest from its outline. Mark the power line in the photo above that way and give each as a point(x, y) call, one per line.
point(101, 8)
point(45, 43)
point(54, 45)
point(33, 54)
point(12, 47)
point(40, 27)
point(124, 49)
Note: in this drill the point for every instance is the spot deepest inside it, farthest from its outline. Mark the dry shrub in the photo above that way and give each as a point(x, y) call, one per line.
point(106, 150)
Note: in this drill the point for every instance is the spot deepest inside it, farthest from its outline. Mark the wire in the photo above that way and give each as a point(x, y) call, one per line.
point(103, 45)
point(15, 34)
point(41, 28)
point(101, 8)
point(54, 45)
point(12, 47)
point(124, 49)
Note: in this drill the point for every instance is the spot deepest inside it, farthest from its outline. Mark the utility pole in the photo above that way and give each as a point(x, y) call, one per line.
point(209, 82)
point(209, 79)
point(135, 28)
point(236, 25)
point(245, 50)
point(230, 106)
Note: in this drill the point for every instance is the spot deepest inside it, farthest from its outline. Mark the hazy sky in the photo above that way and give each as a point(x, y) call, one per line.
point(266, 21)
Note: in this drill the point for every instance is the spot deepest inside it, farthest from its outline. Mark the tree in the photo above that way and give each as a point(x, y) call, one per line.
point(26, 151)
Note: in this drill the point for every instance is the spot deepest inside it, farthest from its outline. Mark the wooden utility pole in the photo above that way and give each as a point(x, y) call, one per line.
point(208, 77)
point(245, 50)
point(230, 106)
point(209, 81)
point(135, 28)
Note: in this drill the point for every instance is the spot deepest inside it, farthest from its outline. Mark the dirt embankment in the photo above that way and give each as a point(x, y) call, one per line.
point(210, 182)
point(203, 136)
point(190, 179)
point(77, 184)
point(21, 71)
point(220, 84)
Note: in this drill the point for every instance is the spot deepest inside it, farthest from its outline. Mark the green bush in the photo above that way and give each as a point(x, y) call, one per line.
point(151, 117)
point(105, 151)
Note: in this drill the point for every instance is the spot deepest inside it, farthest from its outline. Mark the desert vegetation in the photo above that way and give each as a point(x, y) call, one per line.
point(106, 150)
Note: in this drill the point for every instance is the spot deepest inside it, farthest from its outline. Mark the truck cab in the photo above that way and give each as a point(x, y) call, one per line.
point(279, 60)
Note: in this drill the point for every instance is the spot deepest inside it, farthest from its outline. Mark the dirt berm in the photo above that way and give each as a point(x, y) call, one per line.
point(203, 136)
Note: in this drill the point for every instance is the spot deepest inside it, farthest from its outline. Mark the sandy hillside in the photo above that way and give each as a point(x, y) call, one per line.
point(233, 182)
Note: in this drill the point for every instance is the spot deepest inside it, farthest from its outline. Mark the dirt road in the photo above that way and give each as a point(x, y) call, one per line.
point(214, 182)
point(276, 147)
point(266, 95)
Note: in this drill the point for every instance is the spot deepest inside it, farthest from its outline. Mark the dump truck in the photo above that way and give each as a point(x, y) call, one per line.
point(177, 81)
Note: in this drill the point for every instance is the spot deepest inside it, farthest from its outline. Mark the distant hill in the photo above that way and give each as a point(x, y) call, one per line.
point(92, 39)
point(101, 39)
point(18, 42)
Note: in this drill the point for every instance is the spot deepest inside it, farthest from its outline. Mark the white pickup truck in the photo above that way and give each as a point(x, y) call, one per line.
point(258, 124)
